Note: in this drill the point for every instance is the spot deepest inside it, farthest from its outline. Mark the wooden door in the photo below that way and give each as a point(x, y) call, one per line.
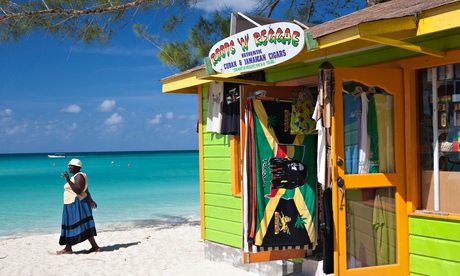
point(369, 172)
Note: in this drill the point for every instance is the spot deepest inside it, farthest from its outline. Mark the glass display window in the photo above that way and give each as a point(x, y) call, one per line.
point(439, 137)
point(368, 129)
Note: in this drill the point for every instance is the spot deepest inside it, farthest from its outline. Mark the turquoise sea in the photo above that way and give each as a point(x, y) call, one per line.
point(132, 189)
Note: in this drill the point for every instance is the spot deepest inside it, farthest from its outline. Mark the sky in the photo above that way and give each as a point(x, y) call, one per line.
point(58, 96)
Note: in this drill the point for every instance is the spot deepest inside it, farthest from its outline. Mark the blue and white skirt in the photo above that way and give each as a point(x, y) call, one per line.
point(77, 222)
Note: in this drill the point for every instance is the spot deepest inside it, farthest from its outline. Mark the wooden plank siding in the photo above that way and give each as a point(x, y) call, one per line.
point(222, 210)
point(434, 246)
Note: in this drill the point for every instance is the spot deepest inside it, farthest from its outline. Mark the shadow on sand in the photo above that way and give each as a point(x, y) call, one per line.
point(113, 247)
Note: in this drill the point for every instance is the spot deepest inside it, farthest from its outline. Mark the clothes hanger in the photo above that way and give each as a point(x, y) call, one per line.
point(358, 90)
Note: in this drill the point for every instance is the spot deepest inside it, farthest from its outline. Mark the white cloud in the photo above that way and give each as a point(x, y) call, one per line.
point(107, 105)
point(17, 128)
point(169, 115)
point(184, 131)
point(74, 126)
point(7, 120)
point(186, 117)
point(73, 108)
point(47, 127)
point(6, 112)
point(112, 128)
point(155, 120)
point(114, 119)
point(234, 6)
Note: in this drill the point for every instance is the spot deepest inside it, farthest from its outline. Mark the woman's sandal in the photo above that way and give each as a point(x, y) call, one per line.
point(63, 251)
point(97, 249)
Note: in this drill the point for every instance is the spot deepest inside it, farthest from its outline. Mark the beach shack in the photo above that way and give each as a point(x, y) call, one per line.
point(334, 148)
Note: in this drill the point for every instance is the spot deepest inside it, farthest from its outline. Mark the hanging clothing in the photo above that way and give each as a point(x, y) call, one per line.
point(383, 221)
point(214, 98)
point(326, 83)
point(326, 91)
point(301, 117)
point(231, 109)
point(380, 129)
point(327, 226)
point(282, 199)
point(373, 133)
point(248, 169)
point(364, 138)
point(351, 122)
point(321, 146)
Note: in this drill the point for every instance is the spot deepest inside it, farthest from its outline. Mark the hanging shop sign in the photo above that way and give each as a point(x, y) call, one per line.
point(257, 48)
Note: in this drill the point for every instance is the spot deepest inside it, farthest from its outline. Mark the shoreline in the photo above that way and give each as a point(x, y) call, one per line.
point(161, 250)
point(108, 226)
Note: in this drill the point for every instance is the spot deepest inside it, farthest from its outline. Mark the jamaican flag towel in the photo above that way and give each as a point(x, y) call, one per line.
point(282, 185)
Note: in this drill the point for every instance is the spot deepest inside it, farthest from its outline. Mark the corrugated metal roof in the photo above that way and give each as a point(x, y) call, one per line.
point(387, 10)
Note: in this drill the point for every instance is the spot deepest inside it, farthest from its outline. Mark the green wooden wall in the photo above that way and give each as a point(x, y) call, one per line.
point(222, 210)
point(434, 246)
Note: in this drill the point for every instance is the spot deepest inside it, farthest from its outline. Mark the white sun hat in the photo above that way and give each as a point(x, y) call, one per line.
point(75, 162)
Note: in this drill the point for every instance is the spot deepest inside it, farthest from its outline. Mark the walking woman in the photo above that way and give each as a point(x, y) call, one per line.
point(77, 216)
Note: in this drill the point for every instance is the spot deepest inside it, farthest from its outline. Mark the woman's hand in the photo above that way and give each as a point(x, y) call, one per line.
point(65, 175)
point(93, 204)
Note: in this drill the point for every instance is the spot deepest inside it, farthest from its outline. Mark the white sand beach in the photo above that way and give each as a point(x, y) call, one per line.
point(145, 251)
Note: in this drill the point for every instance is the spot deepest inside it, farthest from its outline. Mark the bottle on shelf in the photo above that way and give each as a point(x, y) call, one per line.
point(457, 114)
point(443, 115)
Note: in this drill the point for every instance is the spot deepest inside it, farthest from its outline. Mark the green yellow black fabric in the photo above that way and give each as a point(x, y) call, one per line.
point(284, 216)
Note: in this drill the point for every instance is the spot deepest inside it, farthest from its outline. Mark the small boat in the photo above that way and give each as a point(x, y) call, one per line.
point(56, 155)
